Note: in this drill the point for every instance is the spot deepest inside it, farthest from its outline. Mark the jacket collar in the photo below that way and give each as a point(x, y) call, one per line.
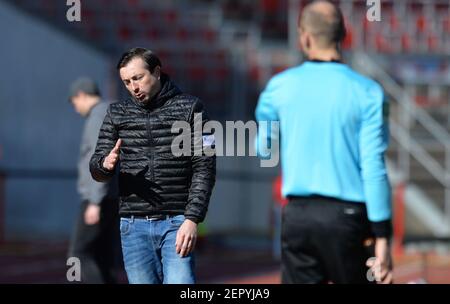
point(322, 61)
point(168, 91)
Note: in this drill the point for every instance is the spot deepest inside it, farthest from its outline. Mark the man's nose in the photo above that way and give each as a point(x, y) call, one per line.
point(134, 87)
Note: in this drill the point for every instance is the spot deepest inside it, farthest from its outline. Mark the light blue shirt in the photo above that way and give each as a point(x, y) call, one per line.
point(333, 128)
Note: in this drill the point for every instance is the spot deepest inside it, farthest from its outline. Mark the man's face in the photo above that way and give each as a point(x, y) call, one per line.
point(138, 80)
point(79, 103)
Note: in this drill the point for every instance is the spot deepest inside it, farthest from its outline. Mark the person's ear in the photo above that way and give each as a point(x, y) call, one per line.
point(157, 72)
point(308, 42)
point(304, 41)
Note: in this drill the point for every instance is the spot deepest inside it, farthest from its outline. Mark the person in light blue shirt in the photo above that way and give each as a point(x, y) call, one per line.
point(333, 134)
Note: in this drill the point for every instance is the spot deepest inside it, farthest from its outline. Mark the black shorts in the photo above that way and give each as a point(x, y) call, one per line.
point(325, 240)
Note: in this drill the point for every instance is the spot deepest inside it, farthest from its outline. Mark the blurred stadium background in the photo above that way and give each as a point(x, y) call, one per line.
point(224, 52)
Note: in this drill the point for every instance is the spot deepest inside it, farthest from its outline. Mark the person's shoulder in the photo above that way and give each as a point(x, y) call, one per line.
point(183, 105)
point(369, 91)
point(363, 81)
point(119, 106)
point(101, 107)
point(288, 73)
point(98, 111)
point(185, 100)
point(284, 78)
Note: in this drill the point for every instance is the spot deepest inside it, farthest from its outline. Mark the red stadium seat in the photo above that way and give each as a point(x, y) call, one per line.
point(446, 25)
point(381, 43)
point(124, 33)
point(394, 22)
point(88, 15)
point(405, 42)
point(255, 73)
point(182, 34)
point(366, 24)
point(348, 41)
point(432, 42)
point(209, 35)
point(421, 100)
point(152, 34)
point(133, 2)
point(144, 16)
point(168, 68)
point(197, 73)
point(192, 56)
point(219, 56)
point(421, 23)
point(165, 55)
point(270, 5)
point(221, 73)
point(171, 16)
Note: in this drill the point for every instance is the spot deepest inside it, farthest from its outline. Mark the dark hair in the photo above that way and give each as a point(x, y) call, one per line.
point(148, 56)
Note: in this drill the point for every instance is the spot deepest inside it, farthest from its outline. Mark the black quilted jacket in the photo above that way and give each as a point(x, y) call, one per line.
point(152, 180)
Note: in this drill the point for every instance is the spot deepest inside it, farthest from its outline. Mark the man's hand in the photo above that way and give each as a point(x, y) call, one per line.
point(186, 238)
point(92, 214)
point(381, 265)
point(110, 161)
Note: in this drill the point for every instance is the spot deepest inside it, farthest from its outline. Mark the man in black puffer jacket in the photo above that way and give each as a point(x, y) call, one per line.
point(162, 196)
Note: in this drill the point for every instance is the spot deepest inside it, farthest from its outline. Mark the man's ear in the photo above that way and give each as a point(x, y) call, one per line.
point(157, 72)
point(307, 42)
point(304, 42)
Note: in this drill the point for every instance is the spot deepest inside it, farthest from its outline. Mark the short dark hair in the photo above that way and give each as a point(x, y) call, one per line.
point(147, 55)
point(327, 29)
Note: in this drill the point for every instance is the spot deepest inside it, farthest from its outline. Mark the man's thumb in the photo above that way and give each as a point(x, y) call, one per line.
point(117, 146)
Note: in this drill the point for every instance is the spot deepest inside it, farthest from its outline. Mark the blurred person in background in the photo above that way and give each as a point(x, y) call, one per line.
point(163, 197)
point(95, 238)
point(333, 128)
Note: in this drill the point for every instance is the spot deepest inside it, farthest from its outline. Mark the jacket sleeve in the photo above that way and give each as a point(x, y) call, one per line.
point(266, 114)
point(97, 191)
point(203, 166)
point(373, 143)
point(107, 138)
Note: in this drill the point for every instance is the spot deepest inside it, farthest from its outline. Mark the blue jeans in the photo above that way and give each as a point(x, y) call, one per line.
point(149, 253)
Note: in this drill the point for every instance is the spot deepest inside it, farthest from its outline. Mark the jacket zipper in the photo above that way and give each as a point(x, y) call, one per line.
point(151, 147)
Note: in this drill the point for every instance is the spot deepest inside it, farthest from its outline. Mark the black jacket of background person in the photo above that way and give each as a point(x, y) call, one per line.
point(152, 181)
